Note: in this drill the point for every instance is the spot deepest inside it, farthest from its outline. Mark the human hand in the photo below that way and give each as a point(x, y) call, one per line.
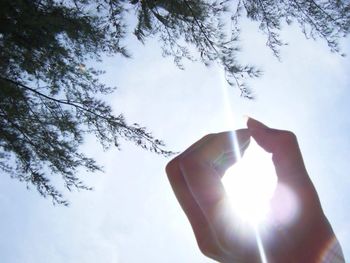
point(195, 176)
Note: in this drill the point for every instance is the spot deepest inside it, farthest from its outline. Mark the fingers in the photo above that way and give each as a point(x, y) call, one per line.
point(199, 166)
point(215, 147)
point(195, 176)
point(310, 218)
point(203, 233)
point(291, 172)
point(285, 150)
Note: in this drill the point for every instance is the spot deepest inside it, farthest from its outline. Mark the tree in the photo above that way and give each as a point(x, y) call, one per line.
point(49, 99)
point(201, 24)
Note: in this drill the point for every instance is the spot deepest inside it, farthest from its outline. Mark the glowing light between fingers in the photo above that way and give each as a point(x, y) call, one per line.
point(250, 184)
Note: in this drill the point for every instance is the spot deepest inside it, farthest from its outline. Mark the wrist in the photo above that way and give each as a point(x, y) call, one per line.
point(321, 245)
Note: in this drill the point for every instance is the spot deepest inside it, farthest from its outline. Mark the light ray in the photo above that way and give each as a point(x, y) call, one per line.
point(260, 246)
point(249, 185)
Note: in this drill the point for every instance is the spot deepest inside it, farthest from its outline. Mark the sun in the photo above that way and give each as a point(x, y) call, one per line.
point(250, 184)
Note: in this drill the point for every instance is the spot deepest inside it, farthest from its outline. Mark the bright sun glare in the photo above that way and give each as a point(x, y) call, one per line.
point(250, 184)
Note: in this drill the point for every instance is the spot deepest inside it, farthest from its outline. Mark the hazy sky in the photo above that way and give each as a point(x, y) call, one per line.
point(132, 215)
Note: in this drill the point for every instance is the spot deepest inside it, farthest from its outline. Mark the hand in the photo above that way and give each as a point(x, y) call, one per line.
point(195, 176)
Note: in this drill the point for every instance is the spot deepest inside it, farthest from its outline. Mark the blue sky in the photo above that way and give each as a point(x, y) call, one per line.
point(132, 215)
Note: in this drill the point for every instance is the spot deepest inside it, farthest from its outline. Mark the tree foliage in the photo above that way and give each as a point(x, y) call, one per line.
point(212, 28)
point(49, 99)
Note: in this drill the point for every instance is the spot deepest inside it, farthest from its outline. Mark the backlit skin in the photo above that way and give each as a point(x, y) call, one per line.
point(195, 176)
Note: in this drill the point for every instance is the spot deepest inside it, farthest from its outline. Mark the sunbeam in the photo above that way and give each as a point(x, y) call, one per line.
point(249, 183)
point(260, 246)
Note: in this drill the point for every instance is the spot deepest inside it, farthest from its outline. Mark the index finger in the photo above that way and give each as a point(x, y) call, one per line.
point(199, 168)
point(220, 150)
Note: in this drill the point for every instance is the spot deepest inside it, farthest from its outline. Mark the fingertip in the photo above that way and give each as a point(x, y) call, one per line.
point(254, 124)
point(261, 133)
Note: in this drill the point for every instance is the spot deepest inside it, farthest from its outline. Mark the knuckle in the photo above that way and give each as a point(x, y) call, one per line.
point(182, 162)
point(288, 137)
point(290, 134)
point(209, 135)
point(172, 166)
point(189, 161)
point(207, 247)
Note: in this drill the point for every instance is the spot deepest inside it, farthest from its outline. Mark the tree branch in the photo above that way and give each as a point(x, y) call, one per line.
point(72, 104)
point(209, 41)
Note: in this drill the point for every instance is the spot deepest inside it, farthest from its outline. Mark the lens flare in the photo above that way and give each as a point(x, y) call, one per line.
point(284, 205)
